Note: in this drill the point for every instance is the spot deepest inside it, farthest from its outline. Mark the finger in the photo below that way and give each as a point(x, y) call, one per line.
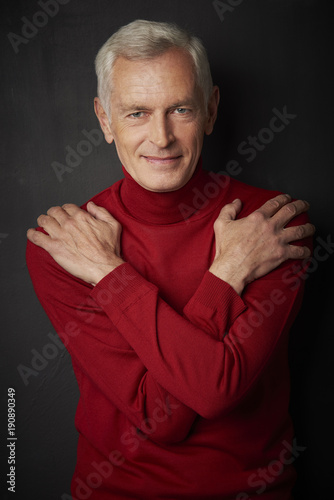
point(50, 224)
point(231, 210)
point(68, 213)
point(99, 213)
point(71, 209)
point(59, 214)
point(295, 252)
point(296, 233)
point(38, 238)
point(290, 211)
point(272, 206)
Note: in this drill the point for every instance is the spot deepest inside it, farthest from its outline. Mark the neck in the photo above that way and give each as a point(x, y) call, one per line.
point(162, 207)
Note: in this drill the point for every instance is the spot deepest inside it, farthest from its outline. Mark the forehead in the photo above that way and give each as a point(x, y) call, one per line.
point(168, 76)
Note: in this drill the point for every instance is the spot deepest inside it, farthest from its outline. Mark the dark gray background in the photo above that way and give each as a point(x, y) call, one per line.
point(265, 54)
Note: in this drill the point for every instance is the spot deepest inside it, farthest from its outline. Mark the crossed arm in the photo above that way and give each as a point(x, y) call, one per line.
point(87, 245)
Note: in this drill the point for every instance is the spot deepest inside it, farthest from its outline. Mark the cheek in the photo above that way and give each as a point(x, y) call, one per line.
point(192, 129)
point(128, 139)
point(192, 135)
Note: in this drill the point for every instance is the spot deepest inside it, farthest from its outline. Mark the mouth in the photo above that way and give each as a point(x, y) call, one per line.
point(159, 160)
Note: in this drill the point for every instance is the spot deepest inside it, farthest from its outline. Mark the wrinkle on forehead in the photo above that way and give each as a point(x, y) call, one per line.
point(171, 75)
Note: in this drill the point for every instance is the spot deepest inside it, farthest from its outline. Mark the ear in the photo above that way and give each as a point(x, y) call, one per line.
point(212, 110)
point(104, 120)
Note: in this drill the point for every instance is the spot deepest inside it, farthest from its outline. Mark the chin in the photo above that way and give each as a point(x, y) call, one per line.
point(169, 181)
point(166, 184)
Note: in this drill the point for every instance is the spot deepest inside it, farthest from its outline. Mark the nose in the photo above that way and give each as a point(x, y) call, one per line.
point(161, 133)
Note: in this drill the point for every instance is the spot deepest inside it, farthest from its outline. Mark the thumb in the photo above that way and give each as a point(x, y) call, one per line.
point(98, 212)
point(231, 210)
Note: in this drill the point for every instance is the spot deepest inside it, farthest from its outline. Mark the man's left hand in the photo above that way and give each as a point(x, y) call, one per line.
point(85, 244)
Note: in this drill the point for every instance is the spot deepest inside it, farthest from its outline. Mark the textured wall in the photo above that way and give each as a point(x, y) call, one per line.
point(270, 58)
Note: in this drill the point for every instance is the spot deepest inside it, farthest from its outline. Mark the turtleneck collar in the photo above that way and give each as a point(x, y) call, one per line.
point(161, 208)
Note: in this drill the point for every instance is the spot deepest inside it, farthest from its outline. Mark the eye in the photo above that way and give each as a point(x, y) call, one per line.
point(181, 111)
point(137, 114)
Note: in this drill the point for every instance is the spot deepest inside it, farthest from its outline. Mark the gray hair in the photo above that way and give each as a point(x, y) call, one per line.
point(143, 39)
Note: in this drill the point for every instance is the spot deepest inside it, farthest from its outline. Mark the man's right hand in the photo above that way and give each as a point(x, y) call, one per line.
point(251, 247)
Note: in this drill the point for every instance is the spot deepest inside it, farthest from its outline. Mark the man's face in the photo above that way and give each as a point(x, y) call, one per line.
point(158, 119)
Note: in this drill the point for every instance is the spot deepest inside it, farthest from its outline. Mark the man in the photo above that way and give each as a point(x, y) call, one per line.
point(176, 317)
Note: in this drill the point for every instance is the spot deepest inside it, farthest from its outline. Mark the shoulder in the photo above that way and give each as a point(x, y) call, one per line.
point(253, 197)
point(107, 197)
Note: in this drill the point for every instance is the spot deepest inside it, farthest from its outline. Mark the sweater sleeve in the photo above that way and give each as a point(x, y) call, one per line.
point(210, 357)
point(107, 368)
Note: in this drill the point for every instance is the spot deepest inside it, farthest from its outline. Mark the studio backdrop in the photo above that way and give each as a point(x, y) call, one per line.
point(272, 60)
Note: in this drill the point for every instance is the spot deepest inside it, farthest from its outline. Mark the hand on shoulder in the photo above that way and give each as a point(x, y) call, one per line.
point(251, 247)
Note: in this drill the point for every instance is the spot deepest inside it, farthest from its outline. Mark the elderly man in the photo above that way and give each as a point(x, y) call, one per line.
point(176, 315)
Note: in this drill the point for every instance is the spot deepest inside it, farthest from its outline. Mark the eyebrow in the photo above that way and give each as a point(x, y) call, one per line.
point(127, 107)
point(183, 104)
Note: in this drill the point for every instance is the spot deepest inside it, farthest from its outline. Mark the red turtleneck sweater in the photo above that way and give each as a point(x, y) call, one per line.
point(184, 385)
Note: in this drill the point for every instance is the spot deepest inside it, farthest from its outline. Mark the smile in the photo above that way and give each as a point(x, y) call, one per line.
point(157, 160)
